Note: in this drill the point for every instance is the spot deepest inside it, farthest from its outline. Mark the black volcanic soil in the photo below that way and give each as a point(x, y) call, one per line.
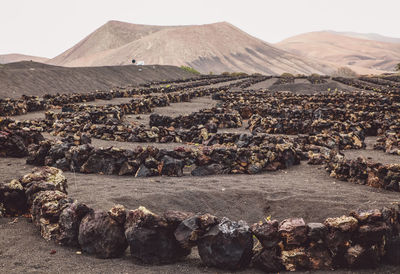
point(31, 78)
point(301, 191)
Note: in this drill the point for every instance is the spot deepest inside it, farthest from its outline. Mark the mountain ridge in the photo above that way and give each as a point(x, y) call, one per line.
point(215, 47)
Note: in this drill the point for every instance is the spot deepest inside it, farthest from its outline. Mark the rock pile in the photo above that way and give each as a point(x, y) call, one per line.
point(76, 154)
point(390, 143)
point(14, 143)
point(222, 118)
point(360, 171)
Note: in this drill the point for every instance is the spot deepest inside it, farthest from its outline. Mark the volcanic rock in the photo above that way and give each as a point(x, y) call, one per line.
point(227, 245)
point(101, 235)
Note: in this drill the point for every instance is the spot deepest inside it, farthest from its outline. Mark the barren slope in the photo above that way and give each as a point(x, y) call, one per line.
point(111, 35)
point(31, 78)
point(215, 47)
point(369, 36)
point(357, 53)
point(15, 57)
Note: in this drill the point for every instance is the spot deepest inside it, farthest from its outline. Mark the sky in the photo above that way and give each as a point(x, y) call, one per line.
point(48, 27)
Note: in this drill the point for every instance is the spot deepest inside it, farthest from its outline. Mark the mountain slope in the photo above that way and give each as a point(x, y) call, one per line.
point(111, 35)
point(344, 51)
point(215, 47)
point(14, 57)
point(369, 36)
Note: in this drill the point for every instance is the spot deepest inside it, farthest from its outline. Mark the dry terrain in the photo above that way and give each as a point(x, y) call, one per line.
point(13, 57)
point(303, 190)
point(215, 47)
point(362, 55)
point(31, 78)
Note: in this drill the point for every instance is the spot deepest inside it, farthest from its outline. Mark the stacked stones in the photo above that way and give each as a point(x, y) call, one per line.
point(25, 104)
point(222, 118)
point(390, 143)
point(15, 142)
point(21, 106)
point(360, 171)
point(364, 239)
point(76, 154)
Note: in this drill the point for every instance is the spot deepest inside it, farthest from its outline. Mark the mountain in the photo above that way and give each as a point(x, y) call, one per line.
point(214, 47)
point(369, 36)
point(362, 55)
point(14, 57)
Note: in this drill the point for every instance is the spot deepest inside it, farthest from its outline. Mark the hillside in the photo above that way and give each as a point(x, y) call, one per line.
point(361, 55)
point(109, 36)
point(31, 78)
point(14, 57)
point(369, 36)
point(215, 47)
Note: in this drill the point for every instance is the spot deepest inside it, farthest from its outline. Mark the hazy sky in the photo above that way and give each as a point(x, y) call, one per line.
point(48, 27)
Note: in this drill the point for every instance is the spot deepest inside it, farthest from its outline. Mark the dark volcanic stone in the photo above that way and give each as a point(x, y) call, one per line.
point(171, 166)
point(101, 235)
point(266, 233)
point(293, 231)
point(227, 245)
point(151, 238)
point(392, 255)
point(13, 198)
point(191, 229)
point(360, 257)
point(316, 231)
point(69, 221)
point(267, 260)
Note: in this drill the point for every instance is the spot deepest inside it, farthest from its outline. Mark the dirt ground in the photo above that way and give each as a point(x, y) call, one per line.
point(301, 191)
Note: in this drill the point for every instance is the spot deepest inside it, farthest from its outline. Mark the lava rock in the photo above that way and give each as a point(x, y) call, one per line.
point(293, 231)
point(227, 245)
point(101, 235)
point(392, 255)
point(319, 257)
point(191, 229)
point(69, 222)
point(267, 233)
point(317, 232)
point(47, 174)
point(151, 238)
point(170, 166)
point(360, 257)
point(13, 198)
point(267, 260)
point(295, 259)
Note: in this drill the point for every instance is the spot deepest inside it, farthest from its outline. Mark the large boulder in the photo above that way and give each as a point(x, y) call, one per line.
point(69, 222)
point(102, 234)
point(227, 245)
point(151, 237)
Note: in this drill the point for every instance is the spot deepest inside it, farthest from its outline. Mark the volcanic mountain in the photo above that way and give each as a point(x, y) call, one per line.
point(362, 55)
point(215, 47)
point(14, 57)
